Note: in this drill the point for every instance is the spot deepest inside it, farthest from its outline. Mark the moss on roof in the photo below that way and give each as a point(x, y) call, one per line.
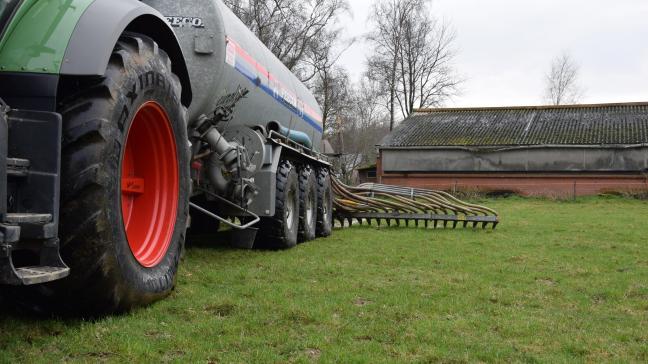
point(601, 124)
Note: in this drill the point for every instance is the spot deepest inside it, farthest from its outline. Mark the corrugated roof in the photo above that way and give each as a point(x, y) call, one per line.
point(600, 124)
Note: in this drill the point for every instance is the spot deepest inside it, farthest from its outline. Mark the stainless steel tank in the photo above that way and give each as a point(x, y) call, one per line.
point(223, 55)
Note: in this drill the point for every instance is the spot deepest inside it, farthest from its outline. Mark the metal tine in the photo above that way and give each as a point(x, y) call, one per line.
point(387, 201)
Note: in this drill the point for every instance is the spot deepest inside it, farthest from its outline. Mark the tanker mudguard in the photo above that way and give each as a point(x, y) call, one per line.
point(101, 25)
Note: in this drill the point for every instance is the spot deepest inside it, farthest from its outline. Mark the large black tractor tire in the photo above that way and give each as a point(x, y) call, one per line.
point(115, 269)
point(307, 204)
point(281, 231)
point(324, 203)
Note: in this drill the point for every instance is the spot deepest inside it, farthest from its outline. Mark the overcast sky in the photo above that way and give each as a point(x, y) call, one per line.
point(505, 47)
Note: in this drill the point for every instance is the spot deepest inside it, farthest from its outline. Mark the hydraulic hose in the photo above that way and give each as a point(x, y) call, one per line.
point(296, 136)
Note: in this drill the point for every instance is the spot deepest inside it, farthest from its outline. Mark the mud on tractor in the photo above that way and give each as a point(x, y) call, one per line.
point(118, 117)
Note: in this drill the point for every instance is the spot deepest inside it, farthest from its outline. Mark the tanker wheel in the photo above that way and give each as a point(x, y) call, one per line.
point(281, 230)
point(324, 203)
point(307, 204)
point(125, 182)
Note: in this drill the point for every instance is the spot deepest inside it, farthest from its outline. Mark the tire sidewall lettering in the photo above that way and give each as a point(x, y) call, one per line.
point(144, 87)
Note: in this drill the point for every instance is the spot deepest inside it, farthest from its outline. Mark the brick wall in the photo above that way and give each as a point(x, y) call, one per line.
point(548, 185)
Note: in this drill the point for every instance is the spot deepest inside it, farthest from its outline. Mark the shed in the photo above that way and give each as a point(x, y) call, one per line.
point(367, 174)
point(531, 150)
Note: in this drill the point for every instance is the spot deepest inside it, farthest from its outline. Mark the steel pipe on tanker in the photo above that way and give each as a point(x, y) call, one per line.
point(295, 136)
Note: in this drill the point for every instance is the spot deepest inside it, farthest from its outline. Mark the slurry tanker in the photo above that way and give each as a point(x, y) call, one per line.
point(118, 118)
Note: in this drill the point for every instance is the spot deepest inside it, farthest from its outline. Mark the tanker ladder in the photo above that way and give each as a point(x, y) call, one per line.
point(399, 206)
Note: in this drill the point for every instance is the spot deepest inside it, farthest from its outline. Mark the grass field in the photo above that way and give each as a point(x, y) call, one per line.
point(557, 282)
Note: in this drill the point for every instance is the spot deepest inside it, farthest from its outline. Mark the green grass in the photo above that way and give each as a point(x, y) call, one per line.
point(557, 282)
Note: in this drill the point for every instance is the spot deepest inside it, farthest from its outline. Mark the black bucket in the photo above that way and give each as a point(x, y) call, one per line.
point(241, 239)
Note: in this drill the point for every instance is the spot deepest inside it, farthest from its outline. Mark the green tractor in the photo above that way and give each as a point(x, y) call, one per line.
point(116, 117)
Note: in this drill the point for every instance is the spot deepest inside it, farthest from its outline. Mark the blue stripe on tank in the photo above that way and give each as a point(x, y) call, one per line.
point(250, 75)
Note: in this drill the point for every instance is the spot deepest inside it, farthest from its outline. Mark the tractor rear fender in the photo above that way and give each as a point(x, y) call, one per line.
point(101, 25)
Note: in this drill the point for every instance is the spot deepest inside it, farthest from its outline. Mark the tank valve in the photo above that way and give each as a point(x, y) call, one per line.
point(227, 164)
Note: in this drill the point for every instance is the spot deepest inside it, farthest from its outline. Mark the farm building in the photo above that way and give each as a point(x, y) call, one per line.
point(367, 174)
point(558, 151)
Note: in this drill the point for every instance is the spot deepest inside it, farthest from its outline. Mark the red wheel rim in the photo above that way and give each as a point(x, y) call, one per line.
point(149, 185)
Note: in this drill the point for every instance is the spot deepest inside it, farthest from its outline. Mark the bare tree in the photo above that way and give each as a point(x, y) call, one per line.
point(388, 17)
point(358, 128)
point(331, 89)
point(562, 81)
point(330, 82)
point(412, 56)
point(427, 78)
